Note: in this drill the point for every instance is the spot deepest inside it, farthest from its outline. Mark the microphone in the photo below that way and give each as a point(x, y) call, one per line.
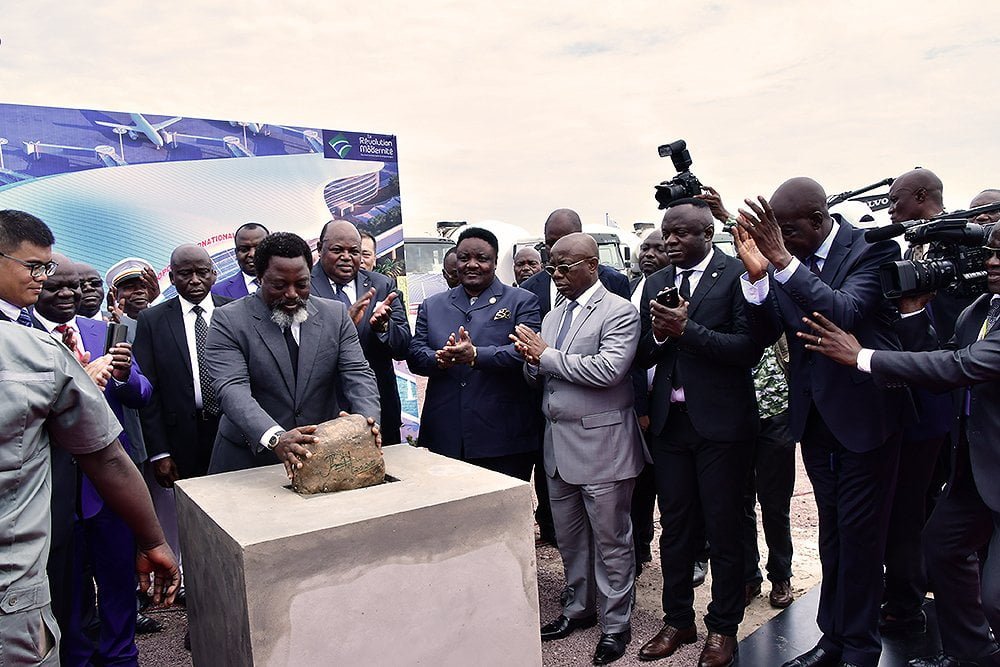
point(885, 233)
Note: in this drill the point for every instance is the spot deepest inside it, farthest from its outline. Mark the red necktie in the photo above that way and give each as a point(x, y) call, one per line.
point(68, 334)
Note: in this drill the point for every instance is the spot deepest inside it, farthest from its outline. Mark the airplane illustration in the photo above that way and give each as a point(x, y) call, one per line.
point(140, 126)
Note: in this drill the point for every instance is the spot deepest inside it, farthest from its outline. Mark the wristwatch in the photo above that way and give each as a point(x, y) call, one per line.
point(272, 442)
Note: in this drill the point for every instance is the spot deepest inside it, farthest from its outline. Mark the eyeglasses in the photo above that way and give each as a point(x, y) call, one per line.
point(991, 252)
point(37, 269)
point(563, 269)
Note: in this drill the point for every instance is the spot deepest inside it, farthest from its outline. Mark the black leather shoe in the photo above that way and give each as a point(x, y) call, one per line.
point(698, 576)
point(180, 597)
point(817, 657)
point(144, 625)
point(562, 626)
point(611, 647)
point(939, 660)
point(894, 626)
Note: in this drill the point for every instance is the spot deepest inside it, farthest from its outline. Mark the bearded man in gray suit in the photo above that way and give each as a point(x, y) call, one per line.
point(593, 449)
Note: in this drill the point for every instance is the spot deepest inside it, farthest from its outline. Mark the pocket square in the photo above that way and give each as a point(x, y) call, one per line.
point(502, 314)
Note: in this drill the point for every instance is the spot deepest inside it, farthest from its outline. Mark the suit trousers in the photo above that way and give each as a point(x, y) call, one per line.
point(696, 477)
point(643, 500)
point(967, 602)
point(594, 532)
point(853, 494)
point(771, 481)
point(543, 513)
point(905, 573)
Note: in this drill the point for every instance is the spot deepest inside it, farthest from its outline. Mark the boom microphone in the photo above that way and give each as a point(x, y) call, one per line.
point(888, 232)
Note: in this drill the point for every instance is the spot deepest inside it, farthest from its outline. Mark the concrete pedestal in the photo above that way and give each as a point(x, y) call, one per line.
point(437, 568)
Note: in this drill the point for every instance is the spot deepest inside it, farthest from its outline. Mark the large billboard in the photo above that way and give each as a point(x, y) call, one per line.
point(122, 184)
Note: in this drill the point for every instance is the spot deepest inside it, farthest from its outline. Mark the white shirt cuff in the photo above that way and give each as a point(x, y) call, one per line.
point(786, 273)
point(754, 293)
point(165, 455)
point(267, 435)
point(865, 360)
point(903, 316)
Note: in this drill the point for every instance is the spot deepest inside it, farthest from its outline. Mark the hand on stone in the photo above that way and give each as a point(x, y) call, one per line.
point(165, 472)
point(529, 343)
point(121, 361)
point(668, 322)
point(99, 371)
point(358, 308)
point(383, 311)
point(829, 339)
point(375, 429)
point(289, 449)
point(159, 561)
point(762, 226)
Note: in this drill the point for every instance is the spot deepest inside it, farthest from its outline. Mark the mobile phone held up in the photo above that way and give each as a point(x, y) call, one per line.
point(116, 334)
point(669, 297)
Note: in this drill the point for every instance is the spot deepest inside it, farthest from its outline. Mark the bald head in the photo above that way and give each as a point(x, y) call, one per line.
point(340, 251)
point(800, 208)
point(577, 254)
point(561, 222)
point(60, 296)
point(191, 272)
point(187, 252)
point(916, 195)
point(527, 262)
point(989, 196)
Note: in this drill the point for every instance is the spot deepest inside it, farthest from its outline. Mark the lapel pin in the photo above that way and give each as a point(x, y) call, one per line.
point(715, 275)
point(493, 300)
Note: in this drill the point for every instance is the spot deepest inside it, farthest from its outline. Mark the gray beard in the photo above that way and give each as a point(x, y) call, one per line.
point(285, 321)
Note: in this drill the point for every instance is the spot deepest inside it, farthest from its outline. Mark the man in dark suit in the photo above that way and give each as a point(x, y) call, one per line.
point(478, 406)
point(374, 305)
point(966, 520)
point(276, 359)
point(703, 417)
point(247, 237)
point(560, 222)
point(849, 428)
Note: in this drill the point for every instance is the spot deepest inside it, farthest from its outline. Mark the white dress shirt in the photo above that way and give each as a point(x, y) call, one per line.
point(350, 289)
point(251, 283)
point(189, 317)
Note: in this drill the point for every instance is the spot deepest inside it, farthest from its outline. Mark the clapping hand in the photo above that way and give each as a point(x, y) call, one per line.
point(528, 343)
point(762, 226)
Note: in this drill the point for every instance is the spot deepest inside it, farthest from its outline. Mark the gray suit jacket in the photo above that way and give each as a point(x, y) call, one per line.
point(591, 433)
point(967, 363)
point(251, 372)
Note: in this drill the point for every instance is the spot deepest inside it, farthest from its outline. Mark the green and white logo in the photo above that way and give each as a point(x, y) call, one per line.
point(340, 145)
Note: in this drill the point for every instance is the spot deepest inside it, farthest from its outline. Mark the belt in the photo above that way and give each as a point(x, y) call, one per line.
point(205, 415)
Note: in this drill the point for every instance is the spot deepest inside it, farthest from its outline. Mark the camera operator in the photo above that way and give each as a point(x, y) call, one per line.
point(967, 516)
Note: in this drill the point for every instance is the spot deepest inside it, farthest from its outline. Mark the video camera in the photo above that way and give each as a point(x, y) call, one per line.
point(954, 261)
point(684, 184)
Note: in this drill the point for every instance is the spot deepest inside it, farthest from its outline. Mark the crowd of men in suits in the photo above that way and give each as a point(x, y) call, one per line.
point(611, 397)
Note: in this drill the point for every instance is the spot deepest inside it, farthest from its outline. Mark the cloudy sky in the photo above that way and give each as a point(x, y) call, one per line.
point(508, 110)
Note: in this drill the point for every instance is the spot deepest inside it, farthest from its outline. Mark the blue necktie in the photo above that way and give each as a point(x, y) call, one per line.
point(24, 317)
point(342, 296)
point(814, 265)
point(566, 322)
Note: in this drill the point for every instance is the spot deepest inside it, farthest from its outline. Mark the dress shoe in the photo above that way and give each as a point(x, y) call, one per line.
point(750, 592)
point(698, 576)
point(817, 657)
point(666, 641)
point(719, 651)
point(180, 597)
point(144, 625)
point(895, 626)
point(611, 647)
point(781, 594)
point(563, 627)
point(939, 660)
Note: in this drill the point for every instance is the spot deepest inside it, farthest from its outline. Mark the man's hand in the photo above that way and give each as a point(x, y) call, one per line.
point(763, 228)
point(375, 429)
point(121, 361)
point(644, 423)
point(161, 563)
point(915, 303)
point(460, 350)
point(383, 311)
point(753, 261)
point(714, 201)
point(668, 322)
point(116, 306)
point(358, 308)
point(528, 343)
point(290, 450)
point(165, 472)
point(829, 339)
point(151, 284)
point(99, 370)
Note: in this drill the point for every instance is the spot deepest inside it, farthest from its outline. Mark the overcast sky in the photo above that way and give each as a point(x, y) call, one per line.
point(509, 110)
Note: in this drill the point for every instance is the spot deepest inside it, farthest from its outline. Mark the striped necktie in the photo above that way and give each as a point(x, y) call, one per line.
point(24, 318)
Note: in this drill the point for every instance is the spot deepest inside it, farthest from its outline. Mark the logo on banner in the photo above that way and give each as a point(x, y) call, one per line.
point(359, 146)
point(875, 202)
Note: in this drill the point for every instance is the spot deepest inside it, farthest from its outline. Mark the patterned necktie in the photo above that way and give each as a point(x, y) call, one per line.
point(993, 314)
point(68, 334)
point(24, 318)
point(342, 296)
point(209, 403)
point(814, 265)
point(685, 288)
point(566, 323)
point(256, 284)
point(560, 299)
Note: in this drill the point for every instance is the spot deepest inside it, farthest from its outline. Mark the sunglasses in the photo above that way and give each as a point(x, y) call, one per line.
point(563, 269)
point(991, 252)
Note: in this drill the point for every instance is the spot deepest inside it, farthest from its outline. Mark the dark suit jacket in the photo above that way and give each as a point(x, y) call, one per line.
point(233, 287)
point(965, 362)
point(169, 421)
point(540, 285)
point(861, 415)
point(252, 374)
point(379, 348)
point(715, 355)
point(487, 410)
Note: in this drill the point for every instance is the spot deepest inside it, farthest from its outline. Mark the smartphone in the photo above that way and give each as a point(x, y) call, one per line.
point(669, 297)
point(116, 334)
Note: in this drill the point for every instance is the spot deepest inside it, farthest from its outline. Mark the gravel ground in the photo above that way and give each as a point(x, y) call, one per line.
point(166, 649)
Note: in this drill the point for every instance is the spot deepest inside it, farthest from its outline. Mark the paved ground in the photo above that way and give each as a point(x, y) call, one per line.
point(166, 649)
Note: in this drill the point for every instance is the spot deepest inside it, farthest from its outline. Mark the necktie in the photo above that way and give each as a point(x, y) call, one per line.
point(293, 351)
point(993, 314)
point(560, 299)
point(24, 318)
point(566, 323)
point(342, 296)
point(814, 265)
point(68, 334)
point(685, 288)
point(209, 403)
point(256, 284)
